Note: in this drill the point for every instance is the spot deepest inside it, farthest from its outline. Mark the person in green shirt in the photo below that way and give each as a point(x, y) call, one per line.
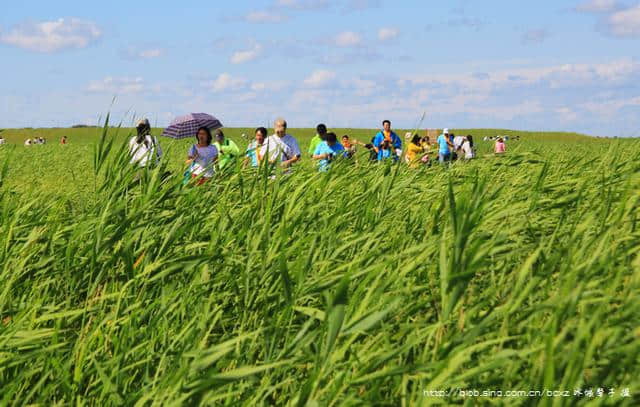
point(321, 135)
point(227, 149)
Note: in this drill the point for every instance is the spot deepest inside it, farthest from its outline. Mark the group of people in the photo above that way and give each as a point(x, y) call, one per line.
point(35, 141)
point(213, 152)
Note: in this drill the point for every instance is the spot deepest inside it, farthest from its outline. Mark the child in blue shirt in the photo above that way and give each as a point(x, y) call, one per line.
point(327, 151)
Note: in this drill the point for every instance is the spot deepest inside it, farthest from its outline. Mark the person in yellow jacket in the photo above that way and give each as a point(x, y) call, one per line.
point(415, 152)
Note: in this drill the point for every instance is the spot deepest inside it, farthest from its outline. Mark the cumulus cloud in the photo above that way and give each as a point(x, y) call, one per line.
point(226, 82)
point(320, 78)
point(387, 33)
point(240, 57)
point(625, 23)
point(265, 17)
point(52, 36)
point(347, 39)
point(116, 85)
point(578, 97)
point(616, 19)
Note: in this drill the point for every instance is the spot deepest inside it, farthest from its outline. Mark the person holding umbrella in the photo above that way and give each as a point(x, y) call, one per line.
point(202, 157)
point(227, 149)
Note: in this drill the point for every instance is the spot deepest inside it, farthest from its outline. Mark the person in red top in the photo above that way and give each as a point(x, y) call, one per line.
point(63, 140)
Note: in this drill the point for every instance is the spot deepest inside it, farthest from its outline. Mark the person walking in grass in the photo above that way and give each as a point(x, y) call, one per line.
point(426, 146)
point(228, 151)
point(253, 156)
point(391, 140)
point(321, 135)
point(2, 140)
point(468, 149)
point(500, 147)
point(328, 151)
point(281, 147)
point(143, 147)
point(202, 157)
point(63, 140)
point(350, 149)
point(445, 147)
point(415, 152)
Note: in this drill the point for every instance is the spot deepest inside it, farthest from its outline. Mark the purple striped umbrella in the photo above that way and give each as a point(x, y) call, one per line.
point(187, 126)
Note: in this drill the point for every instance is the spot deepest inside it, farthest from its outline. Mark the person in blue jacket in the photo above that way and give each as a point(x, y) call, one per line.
point(388, 135)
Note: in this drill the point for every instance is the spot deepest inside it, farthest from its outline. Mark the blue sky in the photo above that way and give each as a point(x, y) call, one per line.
point(543, 65)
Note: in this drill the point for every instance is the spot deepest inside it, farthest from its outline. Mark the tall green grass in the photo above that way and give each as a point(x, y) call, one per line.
point(364, 286)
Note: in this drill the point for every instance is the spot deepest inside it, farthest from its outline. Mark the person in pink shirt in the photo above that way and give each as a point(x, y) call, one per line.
point(500, 147)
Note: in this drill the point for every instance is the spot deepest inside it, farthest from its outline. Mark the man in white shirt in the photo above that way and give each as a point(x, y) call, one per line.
point(281, 146)
point(2, 140)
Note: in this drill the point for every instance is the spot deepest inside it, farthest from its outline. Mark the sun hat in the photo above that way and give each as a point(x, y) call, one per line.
point(445, 131)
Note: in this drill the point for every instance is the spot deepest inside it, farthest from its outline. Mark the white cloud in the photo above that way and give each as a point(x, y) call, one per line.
point(598, 6)
point(387, 33)
point(117, 86)
point(609, 108)
point(625, 23)
point(52, 36)
point(347, 39)
point(240, 57)
point(320, 78)
point(225, 82)
point(264, 17)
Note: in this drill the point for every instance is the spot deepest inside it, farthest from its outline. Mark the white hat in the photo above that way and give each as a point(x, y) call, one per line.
point(445, 131)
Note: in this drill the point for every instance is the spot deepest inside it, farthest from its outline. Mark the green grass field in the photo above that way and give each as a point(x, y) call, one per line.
point(368, 285)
